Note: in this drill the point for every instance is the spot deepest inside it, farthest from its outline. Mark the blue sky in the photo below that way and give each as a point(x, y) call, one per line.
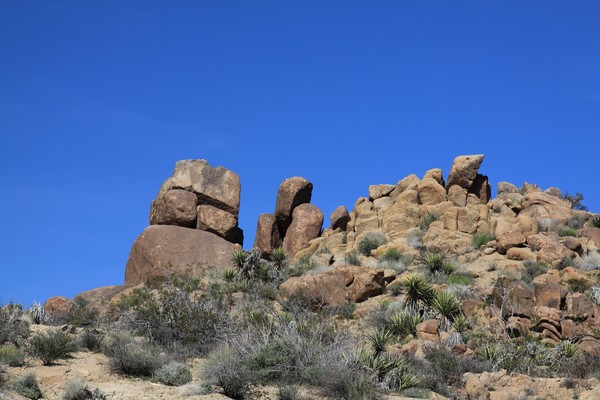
point(98, 100)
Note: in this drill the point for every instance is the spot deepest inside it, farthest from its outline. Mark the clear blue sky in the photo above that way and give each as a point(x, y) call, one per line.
point(98, 100)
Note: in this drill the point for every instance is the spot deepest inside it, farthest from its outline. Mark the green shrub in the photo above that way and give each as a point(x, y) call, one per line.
point(52, 346)
point(13, 329)
point(288, 392)
point(3, 377)
point(482, 238)
point(228, 274)
point(575, 201)
point(128, 356)
point(80, 313)
point(447, 307)
point(349, 384)
point(461, 279)
point(78, 390)
point(380, 339)
point(11, 355)
point(401, 378)
point(437, 263)
point(229, 370)
point(173, 374)
point(402, 324)
point(427, 220)
point(371, 241)
point(27, 386)
point(37, 314)
point(90, 340)
point(578, 285)
point(595, 222)
point(567, 232)
point(418, 292)
point(352, 258)
point(279, 258)
point(532, 269)
point(391, 255)
point(346, 310)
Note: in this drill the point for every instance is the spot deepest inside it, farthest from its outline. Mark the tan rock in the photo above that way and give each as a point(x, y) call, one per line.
point(464, 170)
point(508, 240)
point(219, 222)
point(339, 218)
point(579, 306)
point(430, 192)
point(267, 234)
point(408, 196)
point(163, 250)
point(592, 233)
point(513, 297)
point(410, 181)
point(573, 244)
point(292, 192)
point(377, 191)
point(520, 254)
point(382, 204)
point(463, 219)
point(506, 187)
point(216, 186)
point(428, 330)
point(550, 295)
point(457, 195)
point(174, 207)
point(435, 174)
point(307, 221)
point(539, 205)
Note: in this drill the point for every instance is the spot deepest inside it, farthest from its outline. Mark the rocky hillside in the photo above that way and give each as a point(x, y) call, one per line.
point(426, 288)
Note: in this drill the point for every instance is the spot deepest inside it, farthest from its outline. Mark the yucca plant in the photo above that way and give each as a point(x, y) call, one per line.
point(239, 259)
point(228, 274)
point(595, 222)
point(402, 323)
point(382, 363)
point(279, 258)
point(567, 349)
point(401, 378)
point(447, 306)
point(380, 339)
point(460, 323)
point(434, 261)
point(37, 313)
point(418, 292)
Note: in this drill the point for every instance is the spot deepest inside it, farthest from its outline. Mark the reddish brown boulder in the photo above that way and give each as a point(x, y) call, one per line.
point(163, 250)
point(307, 221)
point(219, 222)
point(506, 187)
point(292, 192)
point(56, 304)
point(174, 207)
point(550, 295)
point(513, 297)
point(336, 287)
point(464, 171)
point(508, 240)
point(267, 234)
point(216, 186)
point(339, 218)
point(573, 244)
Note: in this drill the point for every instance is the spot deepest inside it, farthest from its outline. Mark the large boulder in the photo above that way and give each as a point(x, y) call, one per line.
point(509, 240)
point(219, 222)
point(430, 192)
point(378, 191)
point(267, 234)
point(164, 250)
point(540, 205)
point(513, 297)
point(174, 207)
point(292, 192)
point(336, 287)
point(339, 218)
point(307, 221)
point(464, 171)
point(216, 186)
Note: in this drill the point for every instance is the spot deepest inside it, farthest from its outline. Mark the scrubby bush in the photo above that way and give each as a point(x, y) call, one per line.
point(79, 390)
point(532, 269)
point(228, 369)
point(51, 346)
point(371, 241)
point(129, 356)
point(288, 392)
point(3, 378)
point(427, 220)
point(575, 201)
point(80, 313)
point(578, 285)
point(482, 238)
point(590, 262)
point(419, 293)
point(403, 323)
point(346, 310)
point(279, 258)
point(27, 386)
point(436, 262)
point(90, 339)
point(567, 232)
point(350, 384)
point(173, 374)
point(595, 222)
point(11, 355)
point(461, 278)
point(13, 329)
point(352, 258)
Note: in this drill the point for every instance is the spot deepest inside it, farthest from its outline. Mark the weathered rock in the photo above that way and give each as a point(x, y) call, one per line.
point(506, 187)
point(457, 195)
point(408, 182)
point(554, 192)
point(529, 188)
point(435, 174)
point(336, 287)
point(573, 244)
point(163, 250)
point(541, 205)
point(219, 222)
point(377, 191)
point(550, 295)
point(481, 188)
point(430, 192)
point(174, 207)
point(579, 307)
point(339, 218)
point(508, 240)
point(56, 303)
point(592, 233)
point(428, 330)
point(216, 186)
point(463, 219)
point(464, 171)
point(267, 234)
point(307, 221)
point(292, 192)
point(520, 254)
point(382, 204)
point(399, 218)
point(513, 297)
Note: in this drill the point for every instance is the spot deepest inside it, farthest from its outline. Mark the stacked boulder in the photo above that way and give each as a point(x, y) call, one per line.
point(295, 221)
point(193, 224)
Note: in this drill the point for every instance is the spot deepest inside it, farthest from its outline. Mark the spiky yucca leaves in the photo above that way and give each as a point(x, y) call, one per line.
point(239, 258)
point(228, 274)
point(418, 292)
point(595, 222)
point(401, 378)
point(382, 363)
point(460, 324)
point(447, 306)
point(37, 313)
point(402, 323)
point(279, 258)
point(434, 261)
point(380, 339)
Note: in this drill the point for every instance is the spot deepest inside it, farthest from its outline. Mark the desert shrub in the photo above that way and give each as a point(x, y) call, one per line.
point(482, 238)
point(346, 310)
point(567, 232)
point(13, 329)
point(576, 222)
point(492, 266)
point(352, 258)
point(173, 374)
point(441, 370)
point(590, 262)
point(427, 220)
point(80, 313)
point(418, 292)
point(461, 278)
point(79, 390)
point(565, 262)
point(228, 369)
point(401, 378)
point(532, 269)
point(279, 258)
point(380, 339)
point(579, 366)
point(416, 393)
point(51, 346)
point(90, 339)
point(12, 355)
point(436, 262)
point(178, 314)
point(350, 384)
point(595, 222)
point(391, 255)
point(229, 274)
point(27, 386)
point(129, 356)
point(575, 200)
point(578, 285)
point(288, 392)
point(3, 377)
point(371, 241)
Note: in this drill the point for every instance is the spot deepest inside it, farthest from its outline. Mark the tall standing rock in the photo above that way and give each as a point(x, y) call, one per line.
point(339, 218)
point(464, 171)
point(267, 234)
point(292, 193)
point(307, 221)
